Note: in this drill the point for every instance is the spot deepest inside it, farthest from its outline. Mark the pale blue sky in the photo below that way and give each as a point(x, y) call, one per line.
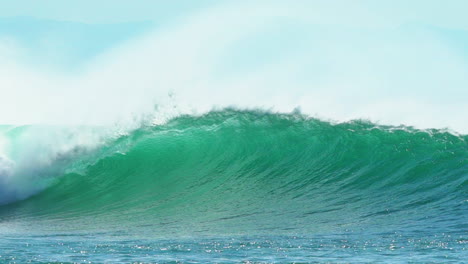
point(78, 30)
point(102, 11)
point(70, 32)
point(338, 59)
point(445, 13)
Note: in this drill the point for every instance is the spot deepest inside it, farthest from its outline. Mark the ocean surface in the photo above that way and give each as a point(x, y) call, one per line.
point(233, 186)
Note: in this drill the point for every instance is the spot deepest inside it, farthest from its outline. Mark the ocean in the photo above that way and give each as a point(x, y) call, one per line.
point(234, 186)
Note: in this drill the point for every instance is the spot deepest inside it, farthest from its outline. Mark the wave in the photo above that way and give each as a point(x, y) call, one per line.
point(241, 171)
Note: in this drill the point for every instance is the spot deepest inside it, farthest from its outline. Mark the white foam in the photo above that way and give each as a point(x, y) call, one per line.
point(31, 157)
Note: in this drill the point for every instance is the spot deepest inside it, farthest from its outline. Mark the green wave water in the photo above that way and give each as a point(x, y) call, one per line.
point(237, 173)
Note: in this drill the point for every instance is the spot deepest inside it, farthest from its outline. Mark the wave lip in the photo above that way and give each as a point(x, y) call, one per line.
point(254, 171)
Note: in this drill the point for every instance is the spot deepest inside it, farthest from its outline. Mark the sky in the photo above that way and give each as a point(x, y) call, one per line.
point(449, 13)
point(104, 11)
point(102, 62)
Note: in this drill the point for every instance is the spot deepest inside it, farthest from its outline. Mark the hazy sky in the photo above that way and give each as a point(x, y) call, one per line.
point(445, 13)
point(395, 62)
point(103, 11)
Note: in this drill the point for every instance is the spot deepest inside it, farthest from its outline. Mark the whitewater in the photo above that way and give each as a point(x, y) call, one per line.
point(204, 141)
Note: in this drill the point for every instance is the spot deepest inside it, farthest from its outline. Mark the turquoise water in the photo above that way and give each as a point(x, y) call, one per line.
point(234, 186)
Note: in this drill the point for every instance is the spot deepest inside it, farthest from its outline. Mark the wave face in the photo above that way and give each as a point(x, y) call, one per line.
point(250, 172)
